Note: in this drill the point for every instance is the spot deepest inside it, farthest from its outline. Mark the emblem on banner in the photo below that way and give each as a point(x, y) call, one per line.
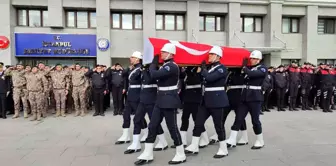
point(103, 44)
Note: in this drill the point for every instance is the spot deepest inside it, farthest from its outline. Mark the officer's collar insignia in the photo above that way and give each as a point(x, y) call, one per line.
point(167, 68)
point(221, 70)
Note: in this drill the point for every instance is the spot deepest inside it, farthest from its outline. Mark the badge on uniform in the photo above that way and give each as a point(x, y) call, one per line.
point(221, 70)
point(102, 75)
point(3, 77)
point(284, 74)
point(269, 76)
point(167, 68)
point(263, 70)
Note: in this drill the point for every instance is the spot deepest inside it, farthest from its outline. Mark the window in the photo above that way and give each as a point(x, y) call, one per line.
point(32, 18)
point(169, 22)
point(251, 24)
point(326, 26)
point(211, 23)
point(81, 19)
point(327, 61)
point(290, 25)
point(126, 21)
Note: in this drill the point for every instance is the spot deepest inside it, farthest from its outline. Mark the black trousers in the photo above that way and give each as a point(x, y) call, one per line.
point(218, 115)
point(117, 98)
point(139, 118)
point(266, 99)
point(281, 92)
point(171, 120)
point(244, 108)
point(129, 108)
point(293, 93)
point(327, 93)
point(3, 105)
point(98, 99)
point(188, 109)
point(305, 92)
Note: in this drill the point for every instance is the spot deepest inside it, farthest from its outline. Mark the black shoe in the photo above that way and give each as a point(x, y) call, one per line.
point(314, 107)
point(96, 114)
point(282, 109)
point(242, 144)
point(173, 146)
point(160, 149)
point(329, 110)
point(143, 162)
point(130, 151)
point(102, 114)
point(176, 162)
point(325, 111)
point(190, 152)
point(290, 109)
point(122, 142)
point(267, 110)
point(256, 147)
point(261, 113)
point(295, 109)
point(309, 109)
point(219, 156)
point(212, 141)
point(115, 113)
point(230, 146)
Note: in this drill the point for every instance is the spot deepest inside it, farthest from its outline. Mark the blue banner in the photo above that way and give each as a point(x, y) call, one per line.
point(55, 45)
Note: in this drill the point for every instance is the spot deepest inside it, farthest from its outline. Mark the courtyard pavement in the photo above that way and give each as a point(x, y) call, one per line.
point(291, 139)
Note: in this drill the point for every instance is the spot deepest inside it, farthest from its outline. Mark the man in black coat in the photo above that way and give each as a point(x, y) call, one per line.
point(4, 91)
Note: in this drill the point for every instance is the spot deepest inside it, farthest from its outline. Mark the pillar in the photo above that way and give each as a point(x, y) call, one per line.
point(192, 20)
point(56, 14)
point(149, 18)
point(103, 30)
point(309, 34)
point(233, 25)
point(7, 24)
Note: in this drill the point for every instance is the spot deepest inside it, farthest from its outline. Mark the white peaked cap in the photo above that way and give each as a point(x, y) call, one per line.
point(216, 50)
point(256, 54)
point(170, 48)
point(137, 54)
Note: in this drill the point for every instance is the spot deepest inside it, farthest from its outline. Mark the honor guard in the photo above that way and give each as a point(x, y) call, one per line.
point(281, 86)
point(251, 99)
point(214, 102)
point(235, 85)
point(167, 102)
point(306, 85)
point(191, 101)
point(146, 105)
point(133, 74)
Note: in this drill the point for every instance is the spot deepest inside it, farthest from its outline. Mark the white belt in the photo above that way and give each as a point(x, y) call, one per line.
point(193, 86)
point(214, 89)
point(135, 86)
point(167, 88)
point(253, 87)
point(149, 86)
point(236, 87)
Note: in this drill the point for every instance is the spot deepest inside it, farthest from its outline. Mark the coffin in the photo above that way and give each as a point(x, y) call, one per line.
point(188, 53)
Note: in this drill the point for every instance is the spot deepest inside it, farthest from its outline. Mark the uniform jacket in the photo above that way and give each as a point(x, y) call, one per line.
point(60, 79)
point(294, 76)
point(134, 83)
point(167, 76)
point(19, 81)
point(36, 82)
point(268, 83)
point(116, 77)
point(193, 89)
point(281, 79)
point(4, 83)
point(306, 77)
point(149, 87)
point(235, 86)
point(215, 77)
point(98, 80)
point(77, 78)
point(254, 78)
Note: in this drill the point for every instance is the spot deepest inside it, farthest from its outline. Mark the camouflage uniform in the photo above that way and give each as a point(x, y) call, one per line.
point(19, 91)
point(37, 85)
point(52, 101)
point(60, 80)
point(88, 93)
point(78, 92)
point(46, 94)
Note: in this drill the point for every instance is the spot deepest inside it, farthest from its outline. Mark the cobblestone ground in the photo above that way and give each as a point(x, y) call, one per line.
point(291, 138)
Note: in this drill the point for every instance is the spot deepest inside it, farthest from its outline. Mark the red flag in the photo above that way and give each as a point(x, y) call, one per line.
point(192, 53)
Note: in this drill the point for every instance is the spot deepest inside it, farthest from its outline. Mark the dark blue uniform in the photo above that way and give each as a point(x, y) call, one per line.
point(133, 95)
point(251, 98)
point(167, 101)
point(235, 85)
point(215, 101)
point(192, 96)
point(4, 88)
point(147, 100)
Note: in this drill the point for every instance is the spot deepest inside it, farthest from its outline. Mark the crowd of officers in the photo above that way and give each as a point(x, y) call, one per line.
point(307, 86)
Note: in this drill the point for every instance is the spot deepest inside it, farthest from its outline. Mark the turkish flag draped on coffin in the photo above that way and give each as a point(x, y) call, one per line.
point(192, 53)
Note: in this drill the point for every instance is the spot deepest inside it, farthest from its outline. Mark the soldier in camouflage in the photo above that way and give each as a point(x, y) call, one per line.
point(19, 90)
point(44, 72)
point(60, 80)
point(51, 97)
point(79, 90)
point(37, 85)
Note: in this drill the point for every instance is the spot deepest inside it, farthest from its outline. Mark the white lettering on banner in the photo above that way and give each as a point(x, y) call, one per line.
point(189, 50)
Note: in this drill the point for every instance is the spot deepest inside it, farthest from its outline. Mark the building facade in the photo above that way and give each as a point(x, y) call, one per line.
point(283, 30)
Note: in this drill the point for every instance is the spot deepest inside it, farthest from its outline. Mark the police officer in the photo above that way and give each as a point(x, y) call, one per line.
point(267, 89)
point(281, 86)
point(214, 102)
point(326, 80)
point(294, 85)
point(146, 105)
point(134, 78)
point(4, 91)
point(117, 85)
point(166, 105)
point(306, 85)
point(99, 88)
point(251, 99)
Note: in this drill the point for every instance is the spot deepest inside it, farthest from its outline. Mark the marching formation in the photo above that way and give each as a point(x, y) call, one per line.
point(160, 90)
